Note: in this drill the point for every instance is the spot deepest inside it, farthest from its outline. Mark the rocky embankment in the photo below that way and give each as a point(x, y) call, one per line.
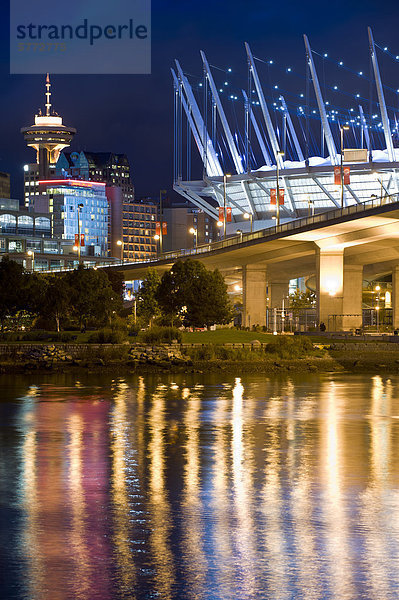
point(176, 358)
point(29, 357)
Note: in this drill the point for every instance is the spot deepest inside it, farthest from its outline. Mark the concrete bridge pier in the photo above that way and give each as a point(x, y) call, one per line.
point(254, 294)
point(329, 286)
point(278, 291)
point(352, 298)
point(339, 290)
point(395, 296)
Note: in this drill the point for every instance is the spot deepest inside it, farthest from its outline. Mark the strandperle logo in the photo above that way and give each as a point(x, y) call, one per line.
point(84, 31)
point(80, 37)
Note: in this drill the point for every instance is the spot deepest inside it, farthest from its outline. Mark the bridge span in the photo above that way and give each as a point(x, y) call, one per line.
point(339, 247)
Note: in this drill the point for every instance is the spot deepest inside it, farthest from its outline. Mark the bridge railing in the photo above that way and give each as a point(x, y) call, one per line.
point(237, 239)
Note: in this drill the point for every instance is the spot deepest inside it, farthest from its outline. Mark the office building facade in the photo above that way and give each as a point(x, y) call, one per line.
point(68, 200)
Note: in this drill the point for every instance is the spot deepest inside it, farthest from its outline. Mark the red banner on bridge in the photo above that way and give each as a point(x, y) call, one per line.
point(157, 228)
point(164, 228)
point(221, 213)
point(273, 196)
point(346, 175)
point(82, 239)
point(228, 214)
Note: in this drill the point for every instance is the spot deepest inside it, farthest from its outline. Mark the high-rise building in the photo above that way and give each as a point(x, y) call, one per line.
point(181, 218)
point(4, 185)
point(139, 225)
point(68, 200)
point(48, 136)
point(131, 224)
point(108, 167)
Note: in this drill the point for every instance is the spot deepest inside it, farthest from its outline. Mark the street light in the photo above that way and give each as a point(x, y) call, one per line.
point(342, 129)
point(194, 232)
point(157, 238)
point(377, 308)
point(122, 245)
point(80, 206)
point(225, 176)
point(250, 217)
point(32, 257)
point(279, 153)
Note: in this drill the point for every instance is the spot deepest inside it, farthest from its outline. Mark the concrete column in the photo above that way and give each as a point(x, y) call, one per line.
point(278, 291)
point(254, 294)
point(329, 287)
point(352, 300)
point(395, 296)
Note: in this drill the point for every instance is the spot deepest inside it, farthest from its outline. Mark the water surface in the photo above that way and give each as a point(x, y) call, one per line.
point(199, 487)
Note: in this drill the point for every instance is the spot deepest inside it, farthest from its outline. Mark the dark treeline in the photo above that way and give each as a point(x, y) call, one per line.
point(79, 298)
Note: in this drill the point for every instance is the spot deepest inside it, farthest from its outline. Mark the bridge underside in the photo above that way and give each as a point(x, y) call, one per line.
point(339, 254)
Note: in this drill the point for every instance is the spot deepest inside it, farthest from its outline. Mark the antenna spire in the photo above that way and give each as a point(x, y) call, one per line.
point(48, 94)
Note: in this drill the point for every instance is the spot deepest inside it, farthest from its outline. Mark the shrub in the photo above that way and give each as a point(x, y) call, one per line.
point(133, 331)
point(105, 336)
point(118, 324)
point(290, 347)
point(161, 335)
point(37, 335)
point(65, 337)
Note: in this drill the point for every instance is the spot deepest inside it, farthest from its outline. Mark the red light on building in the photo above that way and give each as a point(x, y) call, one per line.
point(72, 182)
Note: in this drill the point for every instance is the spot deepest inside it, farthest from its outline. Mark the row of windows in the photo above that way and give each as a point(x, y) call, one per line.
point(138, 224)
point(127, 235)
point(137, 248)
point(25, 221)
point(139, 208)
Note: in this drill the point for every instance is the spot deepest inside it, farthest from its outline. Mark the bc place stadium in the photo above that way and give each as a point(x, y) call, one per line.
point(327, 141)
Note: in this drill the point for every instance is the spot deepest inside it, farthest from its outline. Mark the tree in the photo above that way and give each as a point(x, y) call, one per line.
point(199, 297)
point(147, 305)
point(12, 288)
point(117, 282)
point(92, 297)
point(56, 302)
point(299, 300)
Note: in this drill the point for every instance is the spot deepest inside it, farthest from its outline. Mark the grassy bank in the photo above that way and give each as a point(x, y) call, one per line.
point(214, 351)
point(225, 336)
point(278, 353)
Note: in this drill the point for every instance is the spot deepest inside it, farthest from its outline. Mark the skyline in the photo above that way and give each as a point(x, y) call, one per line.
point(139, 121)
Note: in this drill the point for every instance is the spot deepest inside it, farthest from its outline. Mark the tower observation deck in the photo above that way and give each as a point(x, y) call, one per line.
point(48, 136)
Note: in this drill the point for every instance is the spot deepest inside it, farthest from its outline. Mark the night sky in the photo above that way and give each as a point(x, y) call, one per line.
point(134, 114)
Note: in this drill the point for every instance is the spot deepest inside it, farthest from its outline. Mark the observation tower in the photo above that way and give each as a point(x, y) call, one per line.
point(48, 136)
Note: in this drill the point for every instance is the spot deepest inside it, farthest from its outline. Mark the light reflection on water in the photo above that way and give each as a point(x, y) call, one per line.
point(200, 487)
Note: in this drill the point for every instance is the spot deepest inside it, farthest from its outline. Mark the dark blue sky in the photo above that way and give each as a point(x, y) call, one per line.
point(134, 114)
